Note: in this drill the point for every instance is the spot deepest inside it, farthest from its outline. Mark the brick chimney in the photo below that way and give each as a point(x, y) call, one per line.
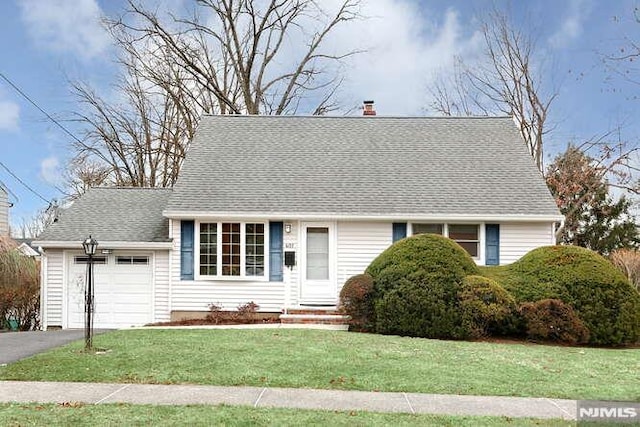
point(368, 109)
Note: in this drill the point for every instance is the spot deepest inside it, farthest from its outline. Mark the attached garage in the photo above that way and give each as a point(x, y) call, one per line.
point(123, 289)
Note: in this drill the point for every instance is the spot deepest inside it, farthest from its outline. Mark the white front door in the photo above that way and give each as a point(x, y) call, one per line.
point(318, 264)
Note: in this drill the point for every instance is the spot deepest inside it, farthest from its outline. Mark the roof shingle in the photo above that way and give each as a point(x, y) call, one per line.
point(360, 166)
point(113, 214)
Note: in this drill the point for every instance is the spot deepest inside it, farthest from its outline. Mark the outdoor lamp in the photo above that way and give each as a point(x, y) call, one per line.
point(90, 245)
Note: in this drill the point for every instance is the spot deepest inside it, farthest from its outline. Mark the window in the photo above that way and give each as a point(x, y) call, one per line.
point(317, 253)
point(132, 260)
point(467, 236)
point(232, 249)
point(254, 249)
point(428, 228)
point(208, 249)
point(85, 260)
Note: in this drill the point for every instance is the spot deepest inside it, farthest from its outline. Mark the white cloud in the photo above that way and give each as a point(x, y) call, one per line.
point(71, 26)
point(572, 25)
point(407, 46)
point(9, 115)
point(50, 170)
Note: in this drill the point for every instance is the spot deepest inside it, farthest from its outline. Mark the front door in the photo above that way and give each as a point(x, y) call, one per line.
point(318, 265)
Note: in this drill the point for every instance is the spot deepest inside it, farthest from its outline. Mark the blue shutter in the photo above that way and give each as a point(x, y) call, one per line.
point(399, 231)
point(492, 235)
point(186, 249)
point(275, 251)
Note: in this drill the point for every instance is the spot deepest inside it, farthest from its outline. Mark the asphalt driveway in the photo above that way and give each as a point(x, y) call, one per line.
point(19, 345)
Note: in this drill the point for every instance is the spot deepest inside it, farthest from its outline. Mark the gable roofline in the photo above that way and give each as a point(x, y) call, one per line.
point(6, 190)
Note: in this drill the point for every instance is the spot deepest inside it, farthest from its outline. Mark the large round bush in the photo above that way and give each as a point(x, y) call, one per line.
point(425, 256)
point(601, 296)
point(418, 308)
point(416, 283)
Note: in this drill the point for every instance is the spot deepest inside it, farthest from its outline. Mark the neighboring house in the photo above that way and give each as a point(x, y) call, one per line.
point(25, 247)
point(283, 210)
point(4, 210)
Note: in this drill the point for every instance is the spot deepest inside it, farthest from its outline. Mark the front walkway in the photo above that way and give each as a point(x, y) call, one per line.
point(96, 393)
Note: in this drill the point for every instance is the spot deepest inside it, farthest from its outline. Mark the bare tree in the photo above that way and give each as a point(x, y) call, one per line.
point(83, 173)
point(507, 80)
point(31, 228)
point(138, 140)
point(225, 57)
point(624, 61)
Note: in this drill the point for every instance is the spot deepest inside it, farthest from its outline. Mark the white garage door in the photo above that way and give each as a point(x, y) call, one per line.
point(122, 290)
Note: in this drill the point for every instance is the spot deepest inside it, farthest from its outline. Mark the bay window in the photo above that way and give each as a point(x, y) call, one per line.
point(231, 249)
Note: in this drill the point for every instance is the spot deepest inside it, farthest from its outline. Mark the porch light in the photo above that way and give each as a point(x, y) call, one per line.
point(287, 228)
point(90, 245)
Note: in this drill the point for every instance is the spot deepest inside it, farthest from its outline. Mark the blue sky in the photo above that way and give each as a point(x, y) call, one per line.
point(47, 43)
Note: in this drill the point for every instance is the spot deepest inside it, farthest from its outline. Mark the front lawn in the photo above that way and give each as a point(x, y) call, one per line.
point(199, 415)
point(341, 360)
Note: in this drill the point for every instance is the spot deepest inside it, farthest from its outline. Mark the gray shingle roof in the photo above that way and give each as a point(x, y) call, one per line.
point(359, 166)
point(113, 214)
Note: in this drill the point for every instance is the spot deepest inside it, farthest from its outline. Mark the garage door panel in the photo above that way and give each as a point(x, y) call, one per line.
point(122, 292)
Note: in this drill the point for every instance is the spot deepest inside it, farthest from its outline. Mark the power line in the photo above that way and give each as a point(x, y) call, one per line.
point(24, 183)
point(25, 96)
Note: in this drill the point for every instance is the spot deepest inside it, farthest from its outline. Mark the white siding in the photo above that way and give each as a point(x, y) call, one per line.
point(161, 312)
point(517, 238)
point(358, 244)
point(4, 212)
point(53, 290)
point(192, 295)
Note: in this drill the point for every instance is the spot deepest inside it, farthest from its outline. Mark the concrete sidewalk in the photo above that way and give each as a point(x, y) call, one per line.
point(96, 393)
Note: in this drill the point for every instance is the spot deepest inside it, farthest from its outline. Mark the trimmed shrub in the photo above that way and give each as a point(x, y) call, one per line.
point(486, 307)
point(415, 287)
point(600, 294)
point(356, 300)
point(426, 256)
point(420, 309)
point(553, 320)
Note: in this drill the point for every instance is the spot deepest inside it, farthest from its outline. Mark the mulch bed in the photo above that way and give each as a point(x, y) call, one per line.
point(198, 322)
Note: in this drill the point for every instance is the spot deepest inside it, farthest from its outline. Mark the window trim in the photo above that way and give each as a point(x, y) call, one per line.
point(480, 259)
point(243, 255)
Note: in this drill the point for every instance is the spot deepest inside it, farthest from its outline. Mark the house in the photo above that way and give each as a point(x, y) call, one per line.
point(283, 210)
point(25, 247)
point(4, 210)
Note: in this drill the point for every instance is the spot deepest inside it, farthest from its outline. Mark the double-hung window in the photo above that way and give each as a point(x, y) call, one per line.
point(232, 249)
point(466, 235)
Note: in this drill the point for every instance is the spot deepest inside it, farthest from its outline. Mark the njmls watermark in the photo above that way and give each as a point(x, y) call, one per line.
point(619, 412)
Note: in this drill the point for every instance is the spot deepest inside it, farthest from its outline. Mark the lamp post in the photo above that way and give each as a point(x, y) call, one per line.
point(90, 245)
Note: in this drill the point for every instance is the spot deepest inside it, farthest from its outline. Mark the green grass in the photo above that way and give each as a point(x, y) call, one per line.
point(341, 360)
point(198, 415)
